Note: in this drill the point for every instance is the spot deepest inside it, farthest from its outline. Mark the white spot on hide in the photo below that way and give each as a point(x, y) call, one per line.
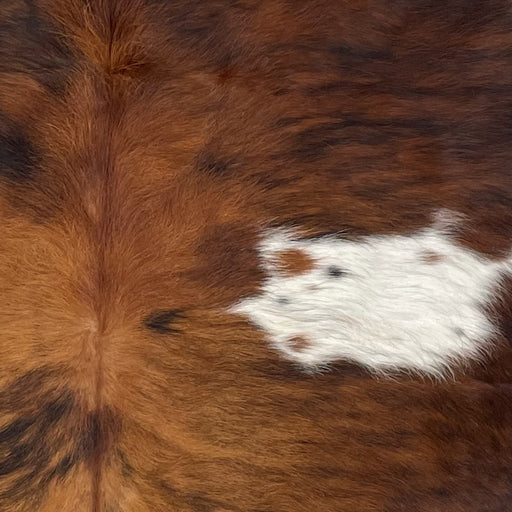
point(388, 309)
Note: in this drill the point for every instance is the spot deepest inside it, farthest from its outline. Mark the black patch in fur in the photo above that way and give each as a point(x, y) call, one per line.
point(32, 441)
point(208, 163)
point(204, 29)
point(315, 142)
point(335, 271)
point(18, 156)
point(44, 435)
point(30, 44)
point(65, 465)
point(100, 428)
point(161, 321)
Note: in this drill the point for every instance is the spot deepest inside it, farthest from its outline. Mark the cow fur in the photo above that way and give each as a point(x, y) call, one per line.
point(147, 147)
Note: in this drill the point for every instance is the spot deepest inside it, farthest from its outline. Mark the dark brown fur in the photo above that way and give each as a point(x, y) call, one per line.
point(144, 145)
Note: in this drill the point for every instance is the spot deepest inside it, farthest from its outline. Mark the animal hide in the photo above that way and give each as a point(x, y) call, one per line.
point(255, 256)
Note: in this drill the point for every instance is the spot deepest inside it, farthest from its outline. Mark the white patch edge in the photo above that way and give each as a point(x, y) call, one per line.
point(390, 311)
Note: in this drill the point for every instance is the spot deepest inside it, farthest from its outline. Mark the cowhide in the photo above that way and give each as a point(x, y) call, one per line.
point(255, 256)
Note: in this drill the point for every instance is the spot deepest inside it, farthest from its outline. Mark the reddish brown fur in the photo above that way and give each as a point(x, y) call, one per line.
point(298, 343)
point(145, 145)
point(431, 257)
point(294, 262)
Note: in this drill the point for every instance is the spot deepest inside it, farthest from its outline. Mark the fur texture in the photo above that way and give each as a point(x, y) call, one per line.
point(410, 302)
point(146, 149)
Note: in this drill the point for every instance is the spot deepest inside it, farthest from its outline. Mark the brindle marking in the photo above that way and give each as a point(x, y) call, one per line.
point(144, 147)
